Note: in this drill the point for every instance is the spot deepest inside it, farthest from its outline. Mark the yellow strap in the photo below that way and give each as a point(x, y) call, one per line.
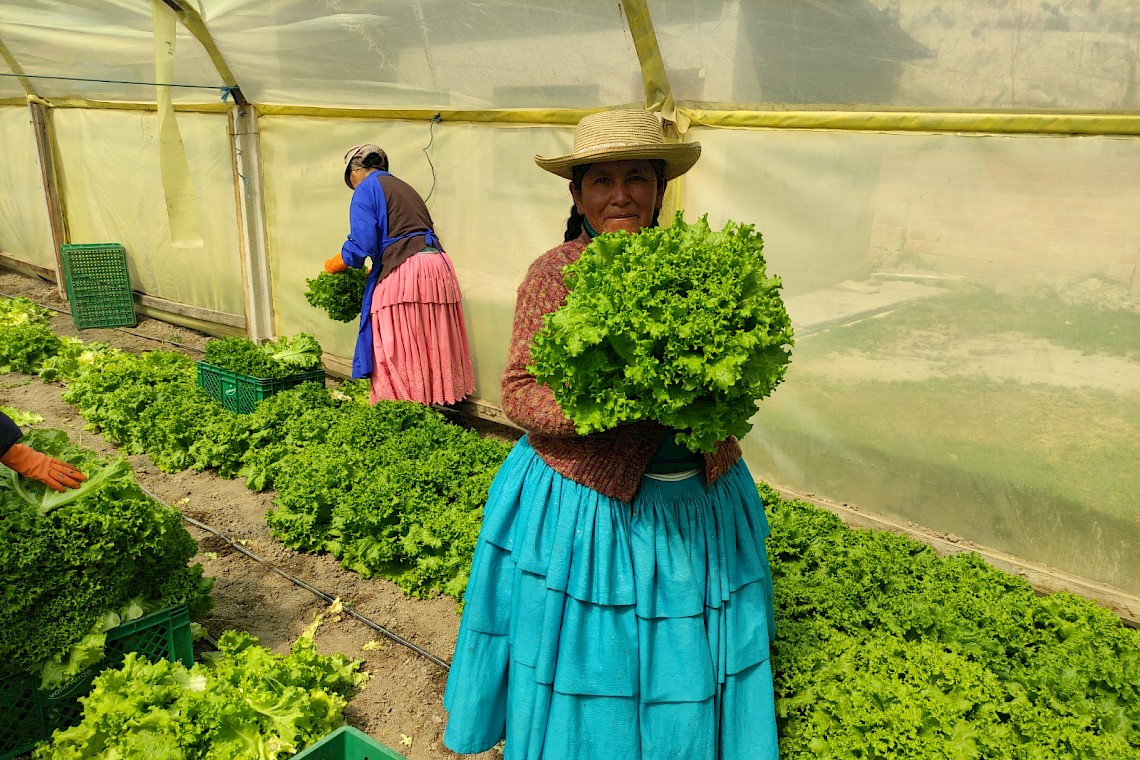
point(658, 92)
point(14, 65)
point(181, 203)
point(922, 121)
point(194, 24)
point(521, 117)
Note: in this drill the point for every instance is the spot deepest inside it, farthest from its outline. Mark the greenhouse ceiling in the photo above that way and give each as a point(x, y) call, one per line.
point(497, 55)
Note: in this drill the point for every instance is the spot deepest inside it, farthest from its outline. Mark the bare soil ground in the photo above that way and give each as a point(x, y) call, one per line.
point(402, 705)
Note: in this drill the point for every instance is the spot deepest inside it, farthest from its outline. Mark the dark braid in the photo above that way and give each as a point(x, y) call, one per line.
point(573, 225)
point(575, 222)
point(375, 161)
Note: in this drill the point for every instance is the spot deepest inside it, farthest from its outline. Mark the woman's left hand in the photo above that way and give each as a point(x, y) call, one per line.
point(335, 265)
point(53, 473)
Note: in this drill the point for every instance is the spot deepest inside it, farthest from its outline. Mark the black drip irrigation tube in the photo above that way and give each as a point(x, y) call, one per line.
point(298, 582)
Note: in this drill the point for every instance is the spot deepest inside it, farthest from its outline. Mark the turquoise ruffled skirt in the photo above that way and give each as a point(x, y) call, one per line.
point(595, 630)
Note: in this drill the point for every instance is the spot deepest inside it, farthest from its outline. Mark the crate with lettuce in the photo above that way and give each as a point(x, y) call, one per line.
point(240, 374)
point(241, 701)
point(681, 325)
point(77, 565)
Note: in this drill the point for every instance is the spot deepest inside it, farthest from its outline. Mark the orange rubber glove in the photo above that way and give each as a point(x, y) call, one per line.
point(53, 473)
point(335, 264)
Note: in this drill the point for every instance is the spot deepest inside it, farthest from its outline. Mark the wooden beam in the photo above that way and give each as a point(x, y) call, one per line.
point(485, 410)
point(337, 366)
point(193, 22)
point(214, 329)
point(193, 312)
point(46, 274)
point(44, 144)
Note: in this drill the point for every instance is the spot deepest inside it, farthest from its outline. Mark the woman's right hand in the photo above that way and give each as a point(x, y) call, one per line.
point(335, 265)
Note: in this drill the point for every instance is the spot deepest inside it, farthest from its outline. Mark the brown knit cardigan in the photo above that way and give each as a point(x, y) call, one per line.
point(611, 462)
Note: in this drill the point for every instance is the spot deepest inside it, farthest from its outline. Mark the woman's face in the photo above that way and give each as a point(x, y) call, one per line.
point(618, 195)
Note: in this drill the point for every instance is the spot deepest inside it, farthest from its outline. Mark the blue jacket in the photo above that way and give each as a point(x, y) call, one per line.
point(368, 238)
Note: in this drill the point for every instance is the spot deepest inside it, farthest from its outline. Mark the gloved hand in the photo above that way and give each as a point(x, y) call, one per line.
point(51, 472)
point(335, 264)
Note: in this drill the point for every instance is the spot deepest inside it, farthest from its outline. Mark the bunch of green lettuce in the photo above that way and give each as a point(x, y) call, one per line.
point(73, 357)
point(68, 559)
point(275, 358)
point(26, 337)
point(242, 701)
point(26, 346)
point(340, 295)
point(678, 324)
point(16, 311)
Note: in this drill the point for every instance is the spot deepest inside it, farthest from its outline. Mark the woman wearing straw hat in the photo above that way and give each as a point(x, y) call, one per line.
point(619, 603)
point(411, 340)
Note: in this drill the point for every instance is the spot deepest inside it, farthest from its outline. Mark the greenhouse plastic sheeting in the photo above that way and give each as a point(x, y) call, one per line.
point(487, 54)
point(967, 333)
point(972, 54)
point(100, 50)
point(113, 192)
point(967, 54)
point(24, 223)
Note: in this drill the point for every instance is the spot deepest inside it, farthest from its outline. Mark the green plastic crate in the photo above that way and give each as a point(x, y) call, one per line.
point(347, 743)
point(241, 393)
point(98, 285)
point(29, 715)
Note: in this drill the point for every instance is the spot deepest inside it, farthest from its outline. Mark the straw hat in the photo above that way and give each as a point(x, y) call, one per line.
point(619, 136)
point(359, 153)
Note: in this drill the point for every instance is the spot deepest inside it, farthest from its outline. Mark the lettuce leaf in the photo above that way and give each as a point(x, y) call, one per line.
point(299, 352)
point(20, 417)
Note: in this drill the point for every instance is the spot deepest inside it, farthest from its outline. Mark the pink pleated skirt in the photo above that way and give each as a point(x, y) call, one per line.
point(420, 349)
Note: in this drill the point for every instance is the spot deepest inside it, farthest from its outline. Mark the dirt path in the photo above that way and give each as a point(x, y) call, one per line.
point(402, 704)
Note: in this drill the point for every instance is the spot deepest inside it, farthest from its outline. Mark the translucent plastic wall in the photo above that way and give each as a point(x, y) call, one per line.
point(1072, 55)
point(102, 50)
point(967, 314)
point(112, 189)
point(24, 224)
point(487, 54)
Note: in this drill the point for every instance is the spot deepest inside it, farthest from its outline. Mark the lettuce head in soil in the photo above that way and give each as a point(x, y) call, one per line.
point(680, 324)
